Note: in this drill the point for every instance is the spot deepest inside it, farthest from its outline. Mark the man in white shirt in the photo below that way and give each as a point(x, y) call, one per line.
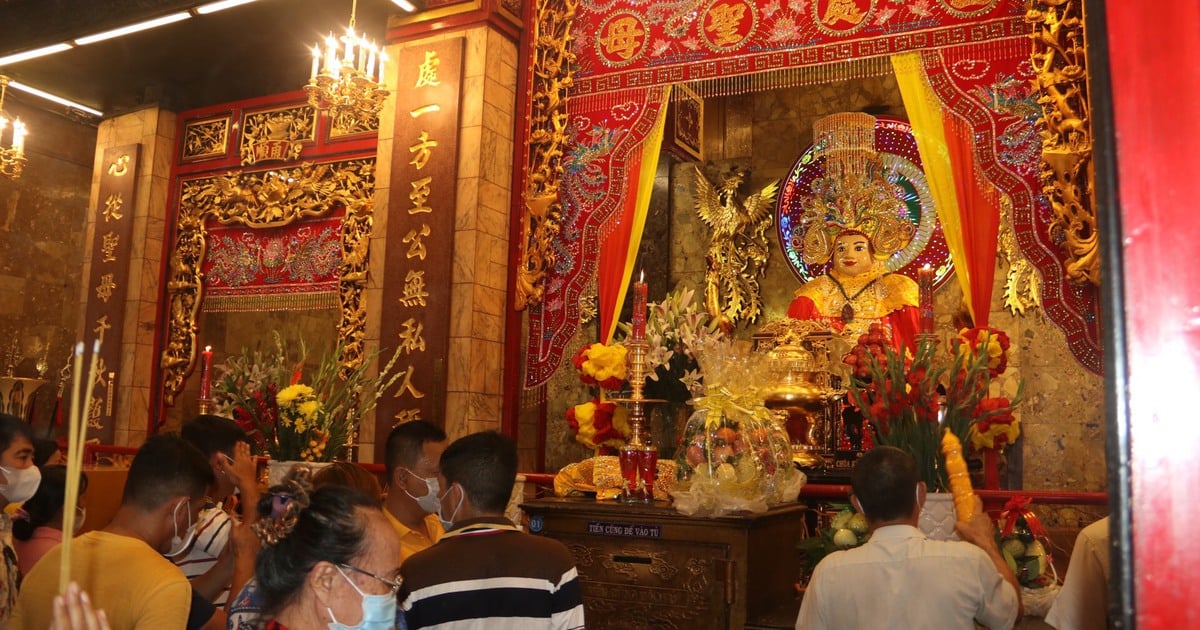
point(225, 445)
point(901, 579)
point(1082, 604)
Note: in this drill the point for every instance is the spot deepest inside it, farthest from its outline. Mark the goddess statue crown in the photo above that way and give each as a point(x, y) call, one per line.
point(857, 192)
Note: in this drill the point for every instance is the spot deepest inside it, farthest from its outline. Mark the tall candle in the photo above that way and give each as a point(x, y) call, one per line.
point(316, 63)
point(205, 373)
point(639, 308)
point(925, 295)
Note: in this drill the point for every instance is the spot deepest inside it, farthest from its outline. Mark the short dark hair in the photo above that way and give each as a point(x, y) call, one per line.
point(166, 466)
point(43, 450)
point(884, 482)
point(348, 475)
point(330, 529)
point(405, 442)
point(47, 502)
point(11, 427)
point(212, 434)
point(485, 465)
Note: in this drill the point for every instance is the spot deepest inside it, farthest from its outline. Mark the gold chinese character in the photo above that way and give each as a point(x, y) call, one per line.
point(93, 417)
point(414, 289)
point(622, 37)
point(422, 150)
point(425, 109)
point(843, 10)
point(120, 167)
point(724, 20)
point(428, 73)
point(411, 337)
point(112, 207)
point(419, 195)
point(406, 415)
point(104, 290)
point(109, 246)
point(407, 386)
point(415, 238)
point(101, 326)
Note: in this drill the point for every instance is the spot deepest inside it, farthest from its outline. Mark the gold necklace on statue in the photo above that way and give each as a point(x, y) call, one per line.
point(847, 308)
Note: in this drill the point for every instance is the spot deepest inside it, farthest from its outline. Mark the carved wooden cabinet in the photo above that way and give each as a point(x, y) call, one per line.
point(648, 566)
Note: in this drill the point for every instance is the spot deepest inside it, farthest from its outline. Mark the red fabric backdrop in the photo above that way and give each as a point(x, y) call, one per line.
point(977, 59)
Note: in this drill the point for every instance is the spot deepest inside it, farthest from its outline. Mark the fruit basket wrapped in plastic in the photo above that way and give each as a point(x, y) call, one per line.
point(734, 454)
point(1026, 549)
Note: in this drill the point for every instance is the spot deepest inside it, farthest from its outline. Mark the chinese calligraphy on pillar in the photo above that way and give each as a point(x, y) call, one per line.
point(420, 232)
point(109, 279)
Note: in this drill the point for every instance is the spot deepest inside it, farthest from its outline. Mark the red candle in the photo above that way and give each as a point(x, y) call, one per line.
point(206, 373)
point(639, 308)
point(925, 295)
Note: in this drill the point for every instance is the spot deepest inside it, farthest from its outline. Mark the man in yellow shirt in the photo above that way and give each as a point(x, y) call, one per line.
point(413, 451)
point(122, 567)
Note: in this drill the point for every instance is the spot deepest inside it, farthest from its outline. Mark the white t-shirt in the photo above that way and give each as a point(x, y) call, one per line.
point(212, 534)
point(1082, 604)
point(901, 579)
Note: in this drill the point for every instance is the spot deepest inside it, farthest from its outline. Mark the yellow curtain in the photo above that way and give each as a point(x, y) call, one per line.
point(650, 150)
point(925, 115)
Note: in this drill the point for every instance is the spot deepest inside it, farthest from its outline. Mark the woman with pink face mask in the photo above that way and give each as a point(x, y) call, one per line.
point(37, 526)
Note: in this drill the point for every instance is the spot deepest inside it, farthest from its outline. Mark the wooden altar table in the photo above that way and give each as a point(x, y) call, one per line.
point(648, 566)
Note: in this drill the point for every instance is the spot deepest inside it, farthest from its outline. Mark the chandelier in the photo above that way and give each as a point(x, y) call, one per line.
point(12, 159)
point(347, 77)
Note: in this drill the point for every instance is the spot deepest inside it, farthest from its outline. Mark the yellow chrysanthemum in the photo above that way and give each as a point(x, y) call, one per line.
point(605, 362)
point(291, 393)
point(309, 409)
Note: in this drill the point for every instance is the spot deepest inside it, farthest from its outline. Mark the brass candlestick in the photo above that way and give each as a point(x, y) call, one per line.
point(639, 458)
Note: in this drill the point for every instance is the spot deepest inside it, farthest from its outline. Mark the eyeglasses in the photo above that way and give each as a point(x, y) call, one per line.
point(394, 584)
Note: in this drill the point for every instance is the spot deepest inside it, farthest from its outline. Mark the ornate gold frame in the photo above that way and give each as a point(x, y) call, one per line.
point(260, 199)
point(1060, 60)
point(551, 81)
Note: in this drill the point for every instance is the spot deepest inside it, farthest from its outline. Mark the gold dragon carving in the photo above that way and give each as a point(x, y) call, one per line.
point(553, 61)
point(259, 200)
point(738, 251)
point(1061, 84)
point(1023, 285)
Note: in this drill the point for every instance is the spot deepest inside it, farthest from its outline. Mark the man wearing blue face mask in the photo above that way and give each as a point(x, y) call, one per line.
point(413, 451)
point(20, 479)
point(484, 572)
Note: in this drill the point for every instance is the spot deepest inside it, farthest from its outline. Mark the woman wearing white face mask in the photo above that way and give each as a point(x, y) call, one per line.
point(329, 560)
point(19, 480)
point(37, 527)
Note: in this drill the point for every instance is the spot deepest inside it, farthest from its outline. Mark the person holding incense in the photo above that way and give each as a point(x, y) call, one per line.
point(901, 579)
point(122, 566)
point(19, 480)
point(227, 448)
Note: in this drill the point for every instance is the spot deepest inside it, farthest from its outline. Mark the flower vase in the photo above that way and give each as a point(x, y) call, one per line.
point(277, 470)
point(938, 516)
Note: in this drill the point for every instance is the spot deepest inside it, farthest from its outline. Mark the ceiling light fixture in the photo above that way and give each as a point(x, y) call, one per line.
point(405, 4)
point(213, 7)
point(28, 89)
point(33, 54)
point(344, 78)
point(12, 159)
point(133, 28)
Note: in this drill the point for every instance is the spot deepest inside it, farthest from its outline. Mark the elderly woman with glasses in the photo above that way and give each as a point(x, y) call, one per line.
point(329, 559)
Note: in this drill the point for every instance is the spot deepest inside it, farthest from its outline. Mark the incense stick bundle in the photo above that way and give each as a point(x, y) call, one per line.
point(76, 435)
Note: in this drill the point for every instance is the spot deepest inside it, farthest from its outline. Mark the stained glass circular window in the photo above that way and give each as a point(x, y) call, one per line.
point(898, 153)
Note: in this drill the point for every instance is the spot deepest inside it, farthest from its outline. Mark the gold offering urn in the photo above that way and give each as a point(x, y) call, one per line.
point(801, 394)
